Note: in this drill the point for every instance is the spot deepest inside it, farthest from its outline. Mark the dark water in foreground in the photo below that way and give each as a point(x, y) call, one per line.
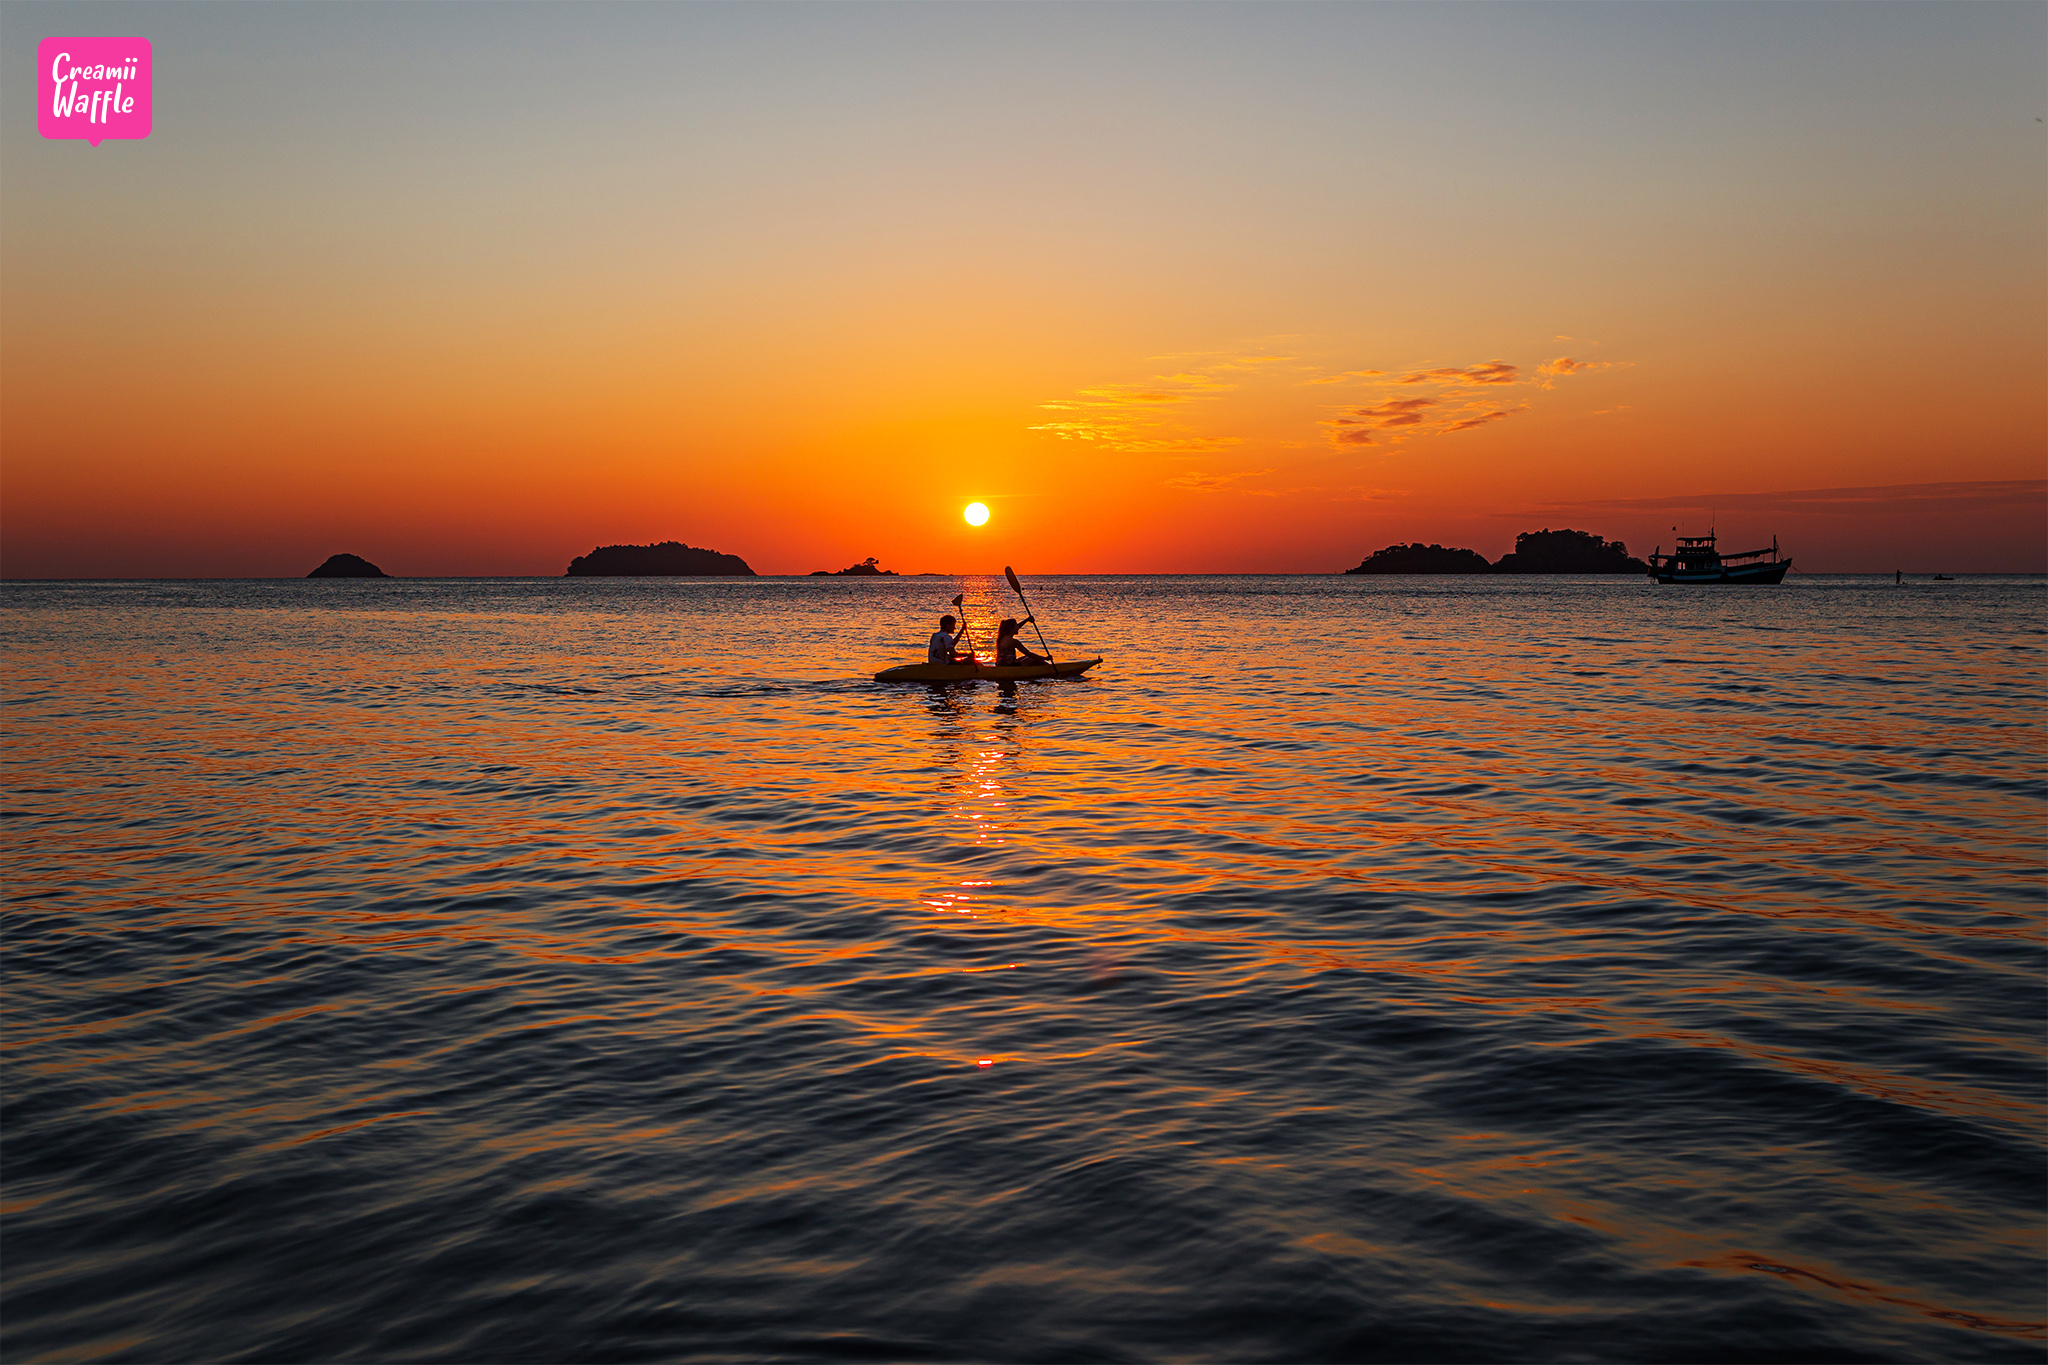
point(1437, 969)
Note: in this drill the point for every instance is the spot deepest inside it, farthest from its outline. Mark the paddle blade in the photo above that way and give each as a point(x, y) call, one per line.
point(957, 602)
point(1011, 574)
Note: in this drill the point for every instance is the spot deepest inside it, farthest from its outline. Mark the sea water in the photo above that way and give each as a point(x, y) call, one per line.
point(1345, 969)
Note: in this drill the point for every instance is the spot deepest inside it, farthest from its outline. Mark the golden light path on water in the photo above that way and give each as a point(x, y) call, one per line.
point(1416, 969)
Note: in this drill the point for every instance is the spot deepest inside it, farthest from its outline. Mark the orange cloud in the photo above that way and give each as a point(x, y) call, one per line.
point(1554, 370)
point(1081, 431)
point(1486, 372)
point(1397, 412)
point(1209, 483)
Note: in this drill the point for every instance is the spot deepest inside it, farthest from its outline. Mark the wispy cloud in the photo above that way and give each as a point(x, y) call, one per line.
point(1554, 370)
point(1396, 412)
point(1178, 445)
point(1209, 483)
point(1083, 431)
point(1165, 415)
point(1486, 372)
point(1404, 417)
point(1128, 417)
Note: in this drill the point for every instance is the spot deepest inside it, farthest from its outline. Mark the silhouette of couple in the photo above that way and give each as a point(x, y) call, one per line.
point(1009, 651)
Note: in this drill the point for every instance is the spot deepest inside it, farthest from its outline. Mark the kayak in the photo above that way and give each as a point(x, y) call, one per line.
point(1064, 668)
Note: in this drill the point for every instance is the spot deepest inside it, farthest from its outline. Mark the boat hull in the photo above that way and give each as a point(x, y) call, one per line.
point(1725, 573)
point(929, 673)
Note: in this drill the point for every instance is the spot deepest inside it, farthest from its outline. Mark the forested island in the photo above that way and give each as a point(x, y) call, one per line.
point(347, 566)
point(1544, 551)
point(867, 568)
point(669, 558)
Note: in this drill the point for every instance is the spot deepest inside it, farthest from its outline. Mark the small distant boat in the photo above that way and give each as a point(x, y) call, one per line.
point(1065, 668)
point(1943, 578)
point(1697, 561)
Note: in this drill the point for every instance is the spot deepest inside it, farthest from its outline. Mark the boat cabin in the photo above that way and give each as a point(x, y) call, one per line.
point(1697, 552)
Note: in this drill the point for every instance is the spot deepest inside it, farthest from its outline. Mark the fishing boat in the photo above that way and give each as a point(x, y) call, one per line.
point(1697, 561)
point(1065, 668)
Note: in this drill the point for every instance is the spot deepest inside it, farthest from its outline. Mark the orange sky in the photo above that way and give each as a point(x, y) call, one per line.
point(470, 290)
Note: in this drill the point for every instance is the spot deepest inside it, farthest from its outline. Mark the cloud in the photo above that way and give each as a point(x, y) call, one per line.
point(1486, 372)
point(1121, 395)
point(1554, 370)
point(1209, 483)
point(1080, 431)
point(1125, 417)
point(1405, 417)
point(1120, 436)
point(1356, 492)
point(1348, 374)
point(1176, 445)
point(1162, 389)
point(1396, 412)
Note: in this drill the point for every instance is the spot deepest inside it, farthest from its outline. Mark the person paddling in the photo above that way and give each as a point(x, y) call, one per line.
point(940, 649)
point(1009, 653)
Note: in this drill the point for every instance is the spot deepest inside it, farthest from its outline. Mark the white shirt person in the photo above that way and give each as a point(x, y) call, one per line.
point(940, 648)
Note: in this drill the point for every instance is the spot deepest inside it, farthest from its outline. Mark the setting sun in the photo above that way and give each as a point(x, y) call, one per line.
point(976, 514)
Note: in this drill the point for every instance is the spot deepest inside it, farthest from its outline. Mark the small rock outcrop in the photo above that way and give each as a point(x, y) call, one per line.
point(348, 566)
point(1548, 551)
point(670, 558)
point(865, 569)
point(1423, 559)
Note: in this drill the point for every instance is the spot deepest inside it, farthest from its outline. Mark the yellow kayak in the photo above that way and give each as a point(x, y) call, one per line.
point(1064, 668)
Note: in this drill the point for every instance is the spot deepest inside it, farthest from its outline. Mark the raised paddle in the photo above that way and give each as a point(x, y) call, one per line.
point(1032, 616)
point(961, 603)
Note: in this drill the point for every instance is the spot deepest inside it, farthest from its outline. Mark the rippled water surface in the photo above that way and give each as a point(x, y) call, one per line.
point(1395, 969)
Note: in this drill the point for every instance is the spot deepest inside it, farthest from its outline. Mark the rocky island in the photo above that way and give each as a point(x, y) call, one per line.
point(865, 569)
point(668, 559)
point(348, 566)
point(1544, 551)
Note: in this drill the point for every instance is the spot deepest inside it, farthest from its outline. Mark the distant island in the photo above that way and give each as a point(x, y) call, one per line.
point(1423, 559)
point(348, 566)
point(865, 569)
point(669, 558)
point(1544, 551)
point(1550, 551)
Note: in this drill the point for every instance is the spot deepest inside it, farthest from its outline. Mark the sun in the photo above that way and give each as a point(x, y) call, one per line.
point(976, 514)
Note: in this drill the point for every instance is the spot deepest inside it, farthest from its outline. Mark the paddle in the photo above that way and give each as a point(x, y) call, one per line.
point(1018, 588)
point(961, 603)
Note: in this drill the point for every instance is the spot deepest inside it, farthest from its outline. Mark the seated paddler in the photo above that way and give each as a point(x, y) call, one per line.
point(940, 649)
point(1010, 652)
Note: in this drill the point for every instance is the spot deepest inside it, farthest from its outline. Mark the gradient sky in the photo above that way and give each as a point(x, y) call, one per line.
point(469, 289)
